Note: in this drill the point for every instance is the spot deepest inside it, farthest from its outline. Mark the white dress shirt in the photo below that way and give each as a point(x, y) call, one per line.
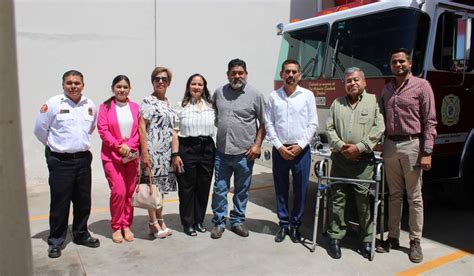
point(65, 126)
point(291, 119)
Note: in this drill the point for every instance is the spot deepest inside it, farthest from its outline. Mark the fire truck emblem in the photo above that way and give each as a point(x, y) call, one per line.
point(450, 109)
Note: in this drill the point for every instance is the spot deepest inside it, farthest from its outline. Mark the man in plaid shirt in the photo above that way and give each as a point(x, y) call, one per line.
point(410, 121)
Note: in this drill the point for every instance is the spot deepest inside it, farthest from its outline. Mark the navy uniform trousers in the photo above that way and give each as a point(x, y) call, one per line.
point(69, 180)
point(300, 170)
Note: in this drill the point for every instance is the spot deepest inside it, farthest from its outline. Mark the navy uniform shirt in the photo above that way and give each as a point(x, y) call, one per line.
point(65, 126)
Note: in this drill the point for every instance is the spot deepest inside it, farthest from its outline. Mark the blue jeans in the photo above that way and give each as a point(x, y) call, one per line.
point(300, 169)
point(242, 168)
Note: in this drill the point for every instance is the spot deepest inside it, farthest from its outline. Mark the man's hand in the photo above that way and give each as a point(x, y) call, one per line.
point(351, 152)
point(425, 163)
point(295, 149)
point(253, 152)
point(286, 153)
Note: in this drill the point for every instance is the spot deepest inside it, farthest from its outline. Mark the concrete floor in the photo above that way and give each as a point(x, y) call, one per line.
point(448, 240)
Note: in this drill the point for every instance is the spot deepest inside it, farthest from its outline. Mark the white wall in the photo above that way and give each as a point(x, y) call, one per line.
point(104, 38)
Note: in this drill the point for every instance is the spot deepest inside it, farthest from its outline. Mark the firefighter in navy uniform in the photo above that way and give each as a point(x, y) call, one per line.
point(64, 125)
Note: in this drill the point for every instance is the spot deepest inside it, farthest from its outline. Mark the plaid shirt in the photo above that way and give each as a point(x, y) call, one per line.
point(410, 109)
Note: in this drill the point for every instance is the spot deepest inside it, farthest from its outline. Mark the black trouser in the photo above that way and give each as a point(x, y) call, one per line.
point(197, 154)
point(69, 180)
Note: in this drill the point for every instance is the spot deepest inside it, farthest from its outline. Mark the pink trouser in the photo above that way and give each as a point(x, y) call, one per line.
point(122, 180)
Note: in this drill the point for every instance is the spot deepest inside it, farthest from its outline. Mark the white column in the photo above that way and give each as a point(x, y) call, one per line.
point(15, 239)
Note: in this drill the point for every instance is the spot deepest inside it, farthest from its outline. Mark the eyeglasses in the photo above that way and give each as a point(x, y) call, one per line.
point(158, 79)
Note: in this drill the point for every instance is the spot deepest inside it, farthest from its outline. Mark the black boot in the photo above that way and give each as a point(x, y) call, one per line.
point(334, 249)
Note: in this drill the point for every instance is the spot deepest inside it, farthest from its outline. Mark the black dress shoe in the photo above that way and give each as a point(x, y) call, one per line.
point(295, 235)
point(54, 251)
point(89, 242)
point(190, 231)
point(334, 249)
point(280, 235)
point(200, 228)
point(366, 250)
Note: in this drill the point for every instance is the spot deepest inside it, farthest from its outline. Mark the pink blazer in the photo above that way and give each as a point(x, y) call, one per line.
point(109, 131)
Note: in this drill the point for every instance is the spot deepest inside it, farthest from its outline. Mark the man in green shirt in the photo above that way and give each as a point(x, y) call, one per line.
point(355, 125)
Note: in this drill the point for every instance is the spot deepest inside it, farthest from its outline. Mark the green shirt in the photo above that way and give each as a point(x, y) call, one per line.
point(362, 125)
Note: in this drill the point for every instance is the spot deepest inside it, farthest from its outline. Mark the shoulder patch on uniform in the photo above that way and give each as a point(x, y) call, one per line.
point(44, 108)
point(90, 111)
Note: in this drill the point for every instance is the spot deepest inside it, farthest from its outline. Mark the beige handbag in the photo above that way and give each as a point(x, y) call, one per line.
point(147, 195)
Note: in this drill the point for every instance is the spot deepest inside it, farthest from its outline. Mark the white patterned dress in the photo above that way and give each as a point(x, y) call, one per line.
point(160, 117)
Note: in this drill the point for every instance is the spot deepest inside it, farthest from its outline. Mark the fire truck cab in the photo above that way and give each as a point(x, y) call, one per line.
point(362, 33)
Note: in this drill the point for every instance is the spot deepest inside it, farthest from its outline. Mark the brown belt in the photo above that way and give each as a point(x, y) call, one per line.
point(400, 138)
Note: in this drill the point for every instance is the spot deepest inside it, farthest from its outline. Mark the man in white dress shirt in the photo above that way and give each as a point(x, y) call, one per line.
point(291, 121)
point(64, 125)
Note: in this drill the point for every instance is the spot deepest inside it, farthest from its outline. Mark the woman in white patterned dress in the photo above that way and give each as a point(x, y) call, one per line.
point(156, 130)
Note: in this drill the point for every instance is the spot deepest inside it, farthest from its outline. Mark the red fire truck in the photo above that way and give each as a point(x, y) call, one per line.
point(362, 33)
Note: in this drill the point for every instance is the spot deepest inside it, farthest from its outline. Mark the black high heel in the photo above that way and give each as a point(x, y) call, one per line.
point(200, 228)
point(190, 231)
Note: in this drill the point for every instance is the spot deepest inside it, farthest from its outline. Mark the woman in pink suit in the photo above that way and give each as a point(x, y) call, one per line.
point(118, 128)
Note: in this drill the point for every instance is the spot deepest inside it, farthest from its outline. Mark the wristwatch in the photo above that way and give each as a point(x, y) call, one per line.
point(427, 152)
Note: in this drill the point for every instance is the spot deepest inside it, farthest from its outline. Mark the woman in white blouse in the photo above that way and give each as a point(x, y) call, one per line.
point(193, 153)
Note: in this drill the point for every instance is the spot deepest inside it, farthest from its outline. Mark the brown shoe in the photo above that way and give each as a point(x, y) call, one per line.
point(416, 254)
point(385, 246)
point(216, 232)
point(240, 230)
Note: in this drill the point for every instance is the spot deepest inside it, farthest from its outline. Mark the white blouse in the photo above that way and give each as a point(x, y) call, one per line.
point(193, 122)
point(125, 119)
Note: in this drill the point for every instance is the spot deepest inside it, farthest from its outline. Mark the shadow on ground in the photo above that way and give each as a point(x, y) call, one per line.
point(443, 222)
point(139, 227)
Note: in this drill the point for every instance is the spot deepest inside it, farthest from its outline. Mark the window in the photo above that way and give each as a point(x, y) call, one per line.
point(307, 46)
point(366, 41)
point(445, 41)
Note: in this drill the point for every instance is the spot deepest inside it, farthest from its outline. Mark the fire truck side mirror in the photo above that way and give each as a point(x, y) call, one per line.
point(279, 28)
point(462, 44)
